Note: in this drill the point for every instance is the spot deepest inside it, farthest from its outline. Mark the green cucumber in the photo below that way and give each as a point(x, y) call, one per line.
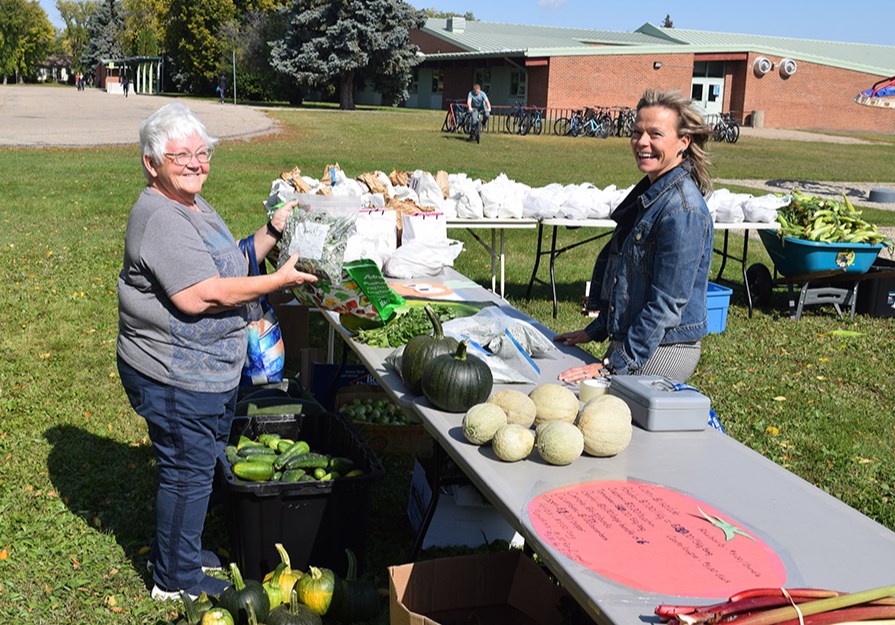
point(243, 441)
point(255, 450)
point(253, 471)
point(230, 452)
point(297, 449)
point(262, 458)
point(319, 473)
point(266, 439)
point(308, 460)
point(292, 475)
point(341, 464)
point(283, 444)
point(355, 473)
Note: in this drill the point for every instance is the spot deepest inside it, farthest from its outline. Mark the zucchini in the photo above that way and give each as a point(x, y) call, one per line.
point(341, 464)
point(308, 460)
point(292, 475)
point(297, 449)
point(253, 471)
point(262, 458)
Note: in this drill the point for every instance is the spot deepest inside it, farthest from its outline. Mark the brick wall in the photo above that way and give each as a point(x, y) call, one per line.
point(430, 44)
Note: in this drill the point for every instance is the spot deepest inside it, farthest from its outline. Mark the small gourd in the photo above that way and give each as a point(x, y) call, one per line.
point(284, 574)
point(293, 613)
point(420, 350)
point(481, 422)
point(456, 382)
point(235, 598)
point(316, 589)
point(513, 442)
point(554, 402)
point(605, 422)
point(520, 408)
point(560, 442)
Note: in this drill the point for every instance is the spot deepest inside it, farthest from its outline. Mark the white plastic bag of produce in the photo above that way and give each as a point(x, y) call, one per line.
point(428, 191)
point(466, 193)
point(422, 258)
point(423, 227)
point(374, 236)
point(543, 202)
point(763, 209)
point(406, 194)
point(727, 207)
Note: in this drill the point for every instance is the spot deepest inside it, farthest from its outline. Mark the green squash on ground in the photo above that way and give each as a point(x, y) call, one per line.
point(520, 408)
point(316, 589)
point(355, 600)
point(513, 442)
point(554, 402)
point(456, 382)
point(217, 616)
point(236, 598)
point(560, 442)
point(420, 350)
point(293, 613)
point(605, 422)
point(481, 422)
point(284, 575)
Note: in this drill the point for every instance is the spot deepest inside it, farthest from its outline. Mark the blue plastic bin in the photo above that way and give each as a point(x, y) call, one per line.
point(717, 300)
point(797, 256)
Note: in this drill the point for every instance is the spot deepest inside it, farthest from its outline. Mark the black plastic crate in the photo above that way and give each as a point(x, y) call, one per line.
point(315, 521)
point(877, 297)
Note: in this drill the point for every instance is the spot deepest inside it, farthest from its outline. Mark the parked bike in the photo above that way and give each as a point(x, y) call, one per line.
point(726, 129)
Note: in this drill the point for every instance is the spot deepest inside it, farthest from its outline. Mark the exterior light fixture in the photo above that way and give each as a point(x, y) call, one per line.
point(657, 64)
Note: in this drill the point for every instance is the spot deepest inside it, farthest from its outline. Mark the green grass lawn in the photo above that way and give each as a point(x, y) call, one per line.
point(77, 474)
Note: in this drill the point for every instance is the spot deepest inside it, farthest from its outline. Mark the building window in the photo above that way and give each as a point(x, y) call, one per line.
point(518, 83)
point(438, 81)
point(708, 69)
point(696, 92)
point(483, 77)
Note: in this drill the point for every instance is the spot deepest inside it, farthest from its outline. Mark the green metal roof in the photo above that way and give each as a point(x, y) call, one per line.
point(486, 39)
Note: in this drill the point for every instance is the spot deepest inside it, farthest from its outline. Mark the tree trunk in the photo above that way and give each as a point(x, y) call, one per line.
point(346, 91)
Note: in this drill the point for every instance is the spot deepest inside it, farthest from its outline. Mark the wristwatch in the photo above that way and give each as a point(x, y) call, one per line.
point(273, 231)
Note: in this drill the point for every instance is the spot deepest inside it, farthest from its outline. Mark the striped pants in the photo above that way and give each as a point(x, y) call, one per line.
point(676, 361)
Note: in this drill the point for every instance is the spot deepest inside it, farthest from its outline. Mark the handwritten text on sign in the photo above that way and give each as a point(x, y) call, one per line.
point(654, 539)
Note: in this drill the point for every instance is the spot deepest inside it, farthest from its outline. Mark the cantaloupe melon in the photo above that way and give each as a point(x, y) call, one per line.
point(554, 402)
point(605, 422)
point(560, 442)
point(481, 422)
point(513, 442)
point(520, 408)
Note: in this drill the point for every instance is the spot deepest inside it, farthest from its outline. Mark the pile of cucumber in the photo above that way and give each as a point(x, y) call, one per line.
point(380, 411)
point(272, 458)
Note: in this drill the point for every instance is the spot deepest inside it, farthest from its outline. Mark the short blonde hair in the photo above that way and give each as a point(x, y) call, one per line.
point(172, 122)
point(690, 123)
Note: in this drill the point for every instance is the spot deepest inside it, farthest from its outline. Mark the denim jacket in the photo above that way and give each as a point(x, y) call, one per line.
point(649, 281)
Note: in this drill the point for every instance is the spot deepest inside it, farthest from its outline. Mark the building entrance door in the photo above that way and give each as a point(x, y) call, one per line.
point(708, 93)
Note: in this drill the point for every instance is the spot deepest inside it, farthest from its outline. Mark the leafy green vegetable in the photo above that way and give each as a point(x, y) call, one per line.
point(406, 324)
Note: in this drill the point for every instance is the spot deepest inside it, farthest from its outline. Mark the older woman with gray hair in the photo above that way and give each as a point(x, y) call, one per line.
point(182, 316)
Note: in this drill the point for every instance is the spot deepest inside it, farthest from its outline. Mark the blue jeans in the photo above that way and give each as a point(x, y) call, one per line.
point(188, 430)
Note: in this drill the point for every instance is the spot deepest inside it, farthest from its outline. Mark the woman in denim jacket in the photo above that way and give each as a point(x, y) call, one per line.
point(649, 281)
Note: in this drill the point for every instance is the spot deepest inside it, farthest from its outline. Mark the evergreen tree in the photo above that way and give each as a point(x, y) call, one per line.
point(75, 14)
point(347, 40)
point(667, 23)
point(105, 27)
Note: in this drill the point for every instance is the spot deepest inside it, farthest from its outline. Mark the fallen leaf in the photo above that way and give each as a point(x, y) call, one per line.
point(773, 431)
point(779, 398)
point(820, 378)
point(4, 554)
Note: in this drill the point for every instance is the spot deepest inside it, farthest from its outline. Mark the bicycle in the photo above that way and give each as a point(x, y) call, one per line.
point(623, 124)
point(475, 126)
point(515, 118)
point(726, 129)
point(569, 126)
point(454, 118)
point(532, 122)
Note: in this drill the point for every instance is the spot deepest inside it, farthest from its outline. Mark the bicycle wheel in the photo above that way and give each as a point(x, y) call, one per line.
point(525, 125)
point(466, 124)
point(603, 128)
point(733, 133)
point(537, 125)
point(447, 126)
point(718, 132)
point(562, 126)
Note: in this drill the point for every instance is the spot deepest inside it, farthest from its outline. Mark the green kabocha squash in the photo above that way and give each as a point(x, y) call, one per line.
point(235, 598)
point(356, 599)
point(217, 616)
point(274, 592)
point(191, 613)
point(420, 350)
point(284, 574)
point(456, 382)
point(316, 589)
point(293, 613)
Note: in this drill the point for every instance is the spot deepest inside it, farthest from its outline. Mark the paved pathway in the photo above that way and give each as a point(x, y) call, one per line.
point(43, 116)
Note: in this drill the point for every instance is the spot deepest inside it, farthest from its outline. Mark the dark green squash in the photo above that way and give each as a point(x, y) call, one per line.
point(293, 613)
point(235, 598)
point(456, 382)
point(356, 600)
point(191, 613)
point(420, 350)
point(316, 589)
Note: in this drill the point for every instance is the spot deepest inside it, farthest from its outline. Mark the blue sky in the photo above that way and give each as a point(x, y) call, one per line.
point(858, 21)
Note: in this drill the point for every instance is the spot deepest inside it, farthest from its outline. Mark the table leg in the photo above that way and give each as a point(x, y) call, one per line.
point(723, 254)
point(502, 264)
point(534, 271)
point(553, 271)
point(494, 262)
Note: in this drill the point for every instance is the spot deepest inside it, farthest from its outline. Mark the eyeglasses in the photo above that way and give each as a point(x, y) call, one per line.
point(185, 158)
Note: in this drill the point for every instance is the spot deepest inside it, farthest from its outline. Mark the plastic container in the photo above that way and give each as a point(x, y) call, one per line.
point(797, 256)
point(717, 299)
point(655, 405)
point(877, 297)
point(315, 521)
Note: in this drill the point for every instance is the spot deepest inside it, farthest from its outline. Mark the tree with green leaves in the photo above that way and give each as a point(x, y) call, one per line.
point(105, 30)
point(348, 40)
point(26, 36)
point(667, 23)
point(75, 15)
point(433, 12)
point(193, 44)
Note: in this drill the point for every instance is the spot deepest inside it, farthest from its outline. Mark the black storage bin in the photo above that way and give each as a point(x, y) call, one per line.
point(315, 521)
point(877, 297)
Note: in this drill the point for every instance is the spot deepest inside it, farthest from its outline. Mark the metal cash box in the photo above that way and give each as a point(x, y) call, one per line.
point(657, 405)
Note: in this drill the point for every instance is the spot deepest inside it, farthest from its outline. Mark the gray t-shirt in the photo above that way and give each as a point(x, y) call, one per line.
point(167, 248)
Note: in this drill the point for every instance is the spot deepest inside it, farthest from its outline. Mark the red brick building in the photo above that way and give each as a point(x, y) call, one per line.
point(774, 82)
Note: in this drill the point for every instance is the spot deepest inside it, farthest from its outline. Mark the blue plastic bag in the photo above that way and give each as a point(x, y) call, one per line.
point(266, 353)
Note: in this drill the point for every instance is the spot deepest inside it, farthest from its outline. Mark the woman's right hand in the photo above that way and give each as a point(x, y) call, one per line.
point(572, 338)
point(292, 276)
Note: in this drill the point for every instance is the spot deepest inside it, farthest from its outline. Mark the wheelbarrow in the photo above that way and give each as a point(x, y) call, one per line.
point(818, 267)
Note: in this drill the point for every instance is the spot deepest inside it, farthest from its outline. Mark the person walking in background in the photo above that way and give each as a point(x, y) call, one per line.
point(650, 280)
point(222, 87)
point(125, 84)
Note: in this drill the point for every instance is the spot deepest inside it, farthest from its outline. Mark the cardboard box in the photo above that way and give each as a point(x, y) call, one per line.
point(462, 517)
point(494, 589)
point(318, 376)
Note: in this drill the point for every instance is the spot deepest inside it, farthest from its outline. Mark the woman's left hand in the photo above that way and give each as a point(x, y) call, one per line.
point(585, 372)
point(281, 215)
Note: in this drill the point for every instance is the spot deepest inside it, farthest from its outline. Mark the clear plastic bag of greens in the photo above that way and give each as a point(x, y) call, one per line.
point(318, 230)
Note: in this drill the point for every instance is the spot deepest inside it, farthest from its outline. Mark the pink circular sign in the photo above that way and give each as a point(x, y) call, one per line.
point(654, 539)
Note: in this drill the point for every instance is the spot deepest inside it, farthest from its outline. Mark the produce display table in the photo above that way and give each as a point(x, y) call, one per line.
point(554, 252)
point(678, 517)
point(495, 250)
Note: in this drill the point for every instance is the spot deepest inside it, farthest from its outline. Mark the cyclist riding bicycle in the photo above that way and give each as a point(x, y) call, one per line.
point(477, 100)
